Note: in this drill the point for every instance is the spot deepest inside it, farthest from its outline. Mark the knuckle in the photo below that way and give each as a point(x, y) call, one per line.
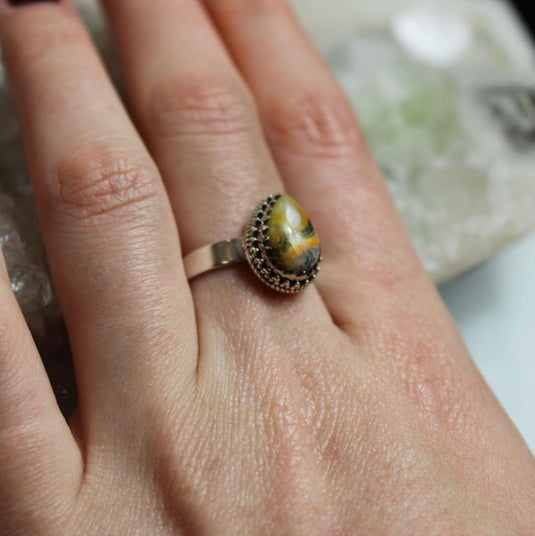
point(209, 105)
point(313, 125)
point(96, 183)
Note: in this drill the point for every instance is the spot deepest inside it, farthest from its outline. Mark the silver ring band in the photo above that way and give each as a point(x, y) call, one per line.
point(280, 245)
point(212, 257)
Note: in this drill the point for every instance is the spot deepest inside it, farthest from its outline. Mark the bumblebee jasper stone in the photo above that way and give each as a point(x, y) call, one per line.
point(293, 243)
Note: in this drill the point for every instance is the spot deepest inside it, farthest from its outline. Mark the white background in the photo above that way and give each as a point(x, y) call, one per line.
point(494, 306)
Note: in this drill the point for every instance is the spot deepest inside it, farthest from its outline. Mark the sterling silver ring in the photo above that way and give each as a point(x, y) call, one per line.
point(280, 244)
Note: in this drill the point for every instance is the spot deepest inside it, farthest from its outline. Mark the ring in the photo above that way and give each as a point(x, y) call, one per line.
point(280, 244)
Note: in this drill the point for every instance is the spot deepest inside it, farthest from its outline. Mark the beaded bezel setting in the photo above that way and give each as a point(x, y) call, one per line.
point(260, 255)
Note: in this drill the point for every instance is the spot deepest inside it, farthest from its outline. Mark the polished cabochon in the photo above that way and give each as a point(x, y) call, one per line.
point(282, 246)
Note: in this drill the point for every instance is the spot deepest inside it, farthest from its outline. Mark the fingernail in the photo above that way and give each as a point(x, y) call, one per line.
point(21, 2)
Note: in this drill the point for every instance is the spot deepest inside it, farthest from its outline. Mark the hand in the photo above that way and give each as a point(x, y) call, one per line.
point(220, 407)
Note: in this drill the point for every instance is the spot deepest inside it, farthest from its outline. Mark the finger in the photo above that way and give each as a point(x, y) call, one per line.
point(38, 454)
point(196, 114)
point(109, 231)
point(202, 127)
point(322, 157)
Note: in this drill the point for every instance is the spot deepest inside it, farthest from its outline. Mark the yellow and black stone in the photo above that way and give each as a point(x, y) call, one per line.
point(293, 242)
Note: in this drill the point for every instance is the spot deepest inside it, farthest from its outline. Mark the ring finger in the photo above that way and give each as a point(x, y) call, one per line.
point(201, 125)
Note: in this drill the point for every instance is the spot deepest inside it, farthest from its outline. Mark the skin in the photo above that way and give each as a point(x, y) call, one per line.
point(218, 407)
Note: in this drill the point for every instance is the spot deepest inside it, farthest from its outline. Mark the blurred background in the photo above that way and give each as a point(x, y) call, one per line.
point(499, 325)
point(494, 306)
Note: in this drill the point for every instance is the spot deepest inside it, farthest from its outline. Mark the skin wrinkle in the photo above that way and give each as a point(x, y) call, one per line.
point(93, 184)
point(216, 105)
point(316, 125)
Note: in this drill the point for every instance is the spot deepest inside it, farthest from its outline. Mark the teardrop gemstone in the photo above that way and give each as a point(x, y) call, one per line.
point(294, 243)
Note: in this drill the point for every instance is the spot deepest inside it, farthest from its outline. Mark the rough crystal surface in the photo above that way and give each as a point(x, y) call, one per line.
point(451, 120)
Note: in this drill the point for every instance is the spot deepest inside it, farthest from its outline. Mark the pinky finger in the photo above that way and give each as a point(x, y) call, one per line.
point(39, 459)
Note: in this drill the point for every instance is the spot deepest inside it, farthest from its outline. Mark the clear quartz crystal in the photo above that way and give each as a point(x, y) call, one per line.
point(452, 127)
